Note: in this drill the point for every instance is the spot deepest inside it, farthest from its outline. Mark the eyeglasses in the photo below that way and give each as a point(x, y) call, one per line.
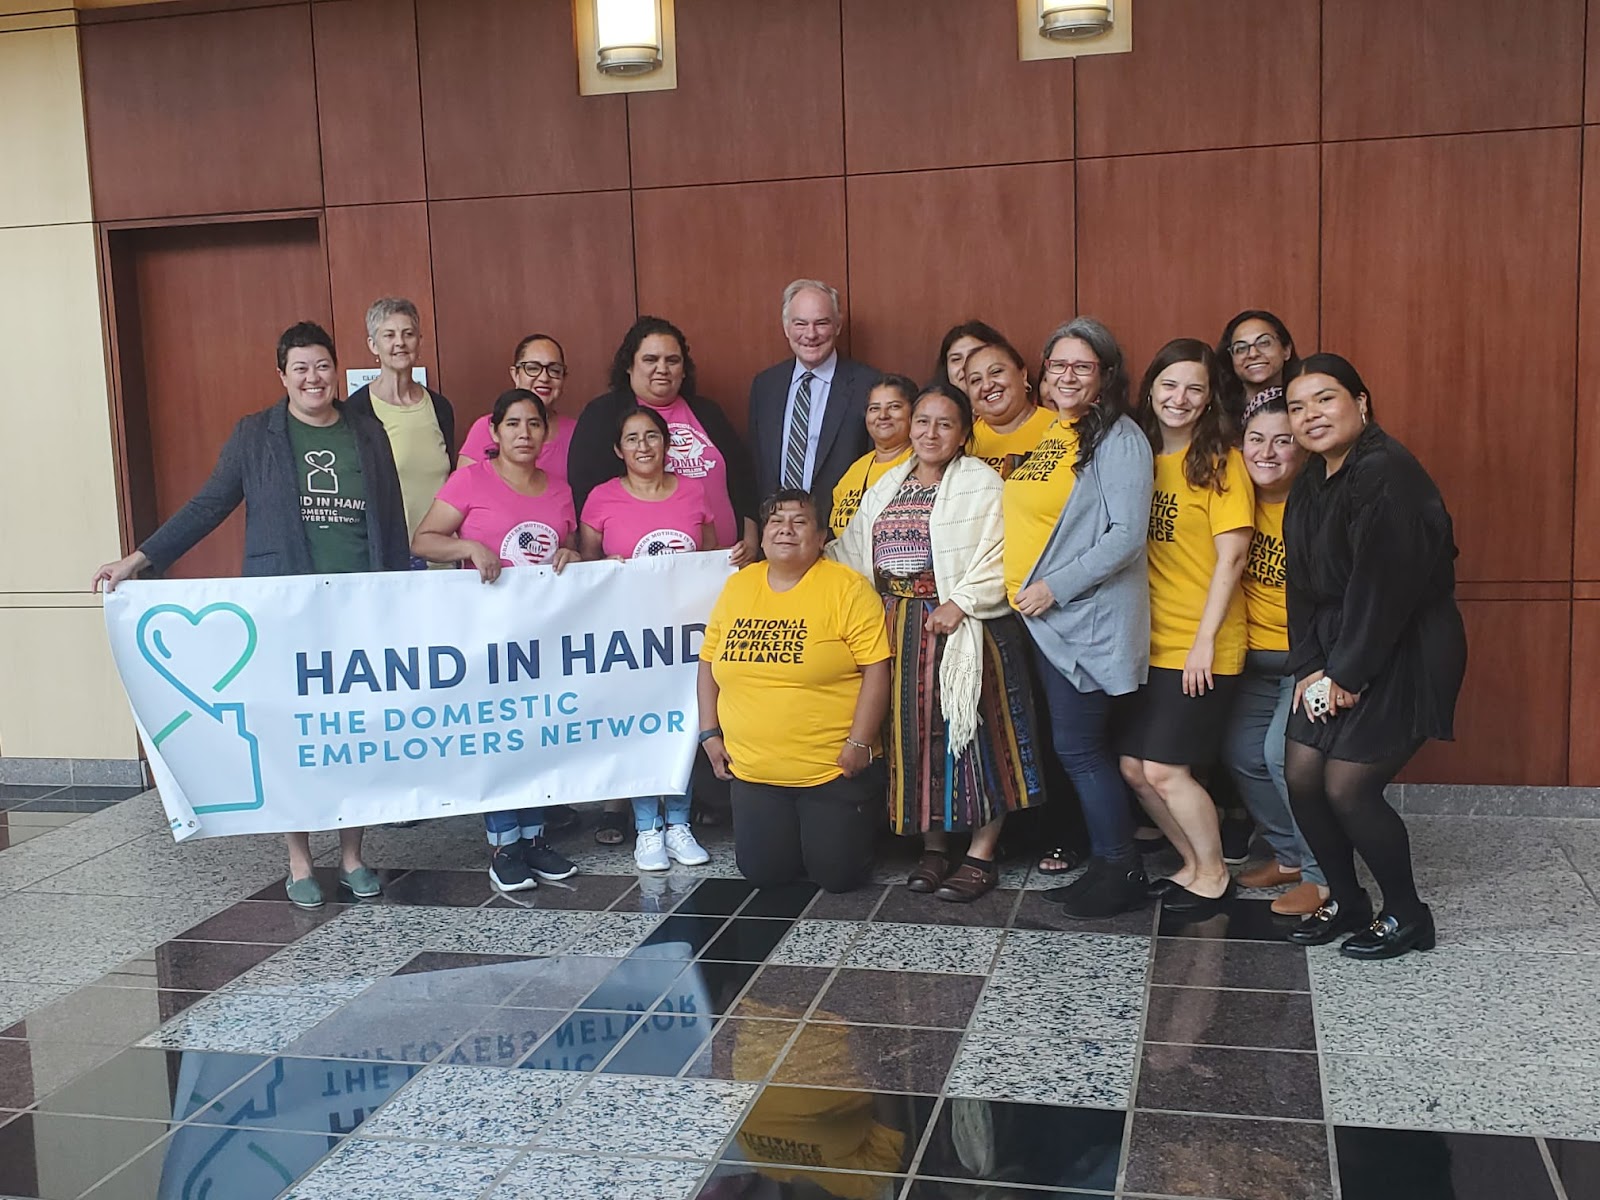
point(1060, 366)
point(1264, 344)
point(634, 440)
point(534, 369)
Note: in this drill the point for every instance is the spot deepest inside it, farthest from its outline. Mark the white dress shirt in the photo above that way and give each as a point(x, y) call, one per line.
point(821, 385)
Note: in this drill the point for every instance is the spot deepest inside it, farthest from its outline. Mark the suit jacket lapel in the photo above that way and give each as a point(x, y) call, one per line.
point(833, 416)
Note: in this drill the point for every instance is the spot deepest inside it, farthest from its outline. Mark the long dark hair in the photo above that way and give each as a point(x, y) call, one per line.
point(1205, 462)
point(1337, 366)
point(1232, 385)
point(502, 405)
point(985, 333)
point(1112, 402)
point(622, 361)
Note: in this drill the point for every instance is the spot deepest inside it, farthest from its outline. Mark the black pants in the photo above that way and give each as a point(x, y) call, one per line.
point(825, 832)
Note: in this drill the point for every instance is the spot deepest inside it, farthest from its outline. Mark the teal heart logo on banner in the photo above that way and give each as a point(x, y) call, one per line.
point(198, 680)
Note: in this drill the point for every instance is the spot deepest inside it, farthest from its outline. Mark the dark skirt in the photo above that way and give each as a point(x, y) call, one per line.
point(1158, 723)
point(999, 771)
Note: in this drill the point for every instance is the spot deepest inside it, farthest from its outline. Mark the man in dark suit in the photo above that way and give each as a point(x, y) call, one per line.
point(808, 413)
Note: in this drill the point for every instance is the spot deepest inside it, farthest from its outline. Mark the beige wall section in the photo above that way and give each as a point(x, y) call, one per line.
point(60, 697)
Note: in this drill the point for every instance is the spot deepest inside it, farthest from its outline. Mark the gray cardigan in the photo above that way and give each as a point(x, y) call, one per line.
point(257, 466)
point(1098, 632)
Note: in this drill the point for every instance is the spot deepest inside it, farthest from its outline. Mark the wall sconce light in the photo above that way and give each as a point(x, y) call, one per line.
point(1061, 20)
point(1071, 28)
point(627, 36)
point(625, 46)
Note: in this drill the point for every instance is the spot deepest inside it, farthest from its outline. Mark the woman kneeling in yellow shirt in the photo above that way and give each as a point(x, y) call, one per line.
point(1200, 523)
point(794, 687)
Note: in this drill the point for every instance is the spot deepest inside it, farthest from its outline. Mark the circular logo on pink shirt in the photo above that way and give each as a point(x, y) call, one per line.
point(689, 452)
point(530, 544)
point(664, 541)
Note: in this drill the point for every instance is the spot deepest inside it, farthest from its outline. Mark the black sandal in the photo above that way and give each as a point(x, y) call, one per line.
point(1060, 860)
point(612, 829)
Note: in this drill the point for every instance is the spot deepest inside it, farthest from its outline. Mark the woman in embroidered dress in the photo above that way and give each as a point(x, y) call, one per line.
point(962, 745)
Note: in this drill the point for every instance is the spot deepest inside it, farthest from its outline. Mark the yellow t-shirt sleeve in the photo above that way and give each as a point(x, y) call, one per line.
point(862, 623)
point(1235, 508)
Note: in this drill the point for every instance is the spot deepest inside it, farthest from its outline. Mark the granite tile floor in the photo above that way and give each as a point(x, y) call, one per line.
point(171, 1027)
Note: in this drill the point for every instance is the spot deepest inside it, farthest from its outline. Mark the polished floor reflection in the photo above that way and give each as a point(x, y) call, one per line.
point(689, 1036)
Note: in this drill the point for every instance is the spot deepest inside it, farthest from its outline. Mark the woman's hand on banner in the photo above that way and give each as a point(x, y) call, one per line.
point(108, 576)
point(742, 554)
point(484, 560)
point(564, 556)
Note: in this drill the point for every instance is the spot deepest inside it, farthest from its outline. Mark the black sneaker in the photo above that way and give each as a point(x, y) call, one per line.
point(545, 862)
point(508, 869)
point(1236, 835)
point(1116, 888)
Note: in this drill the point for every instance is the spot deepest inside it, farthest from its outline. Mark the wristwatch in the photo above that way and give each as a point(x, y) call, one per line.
point(707, 734)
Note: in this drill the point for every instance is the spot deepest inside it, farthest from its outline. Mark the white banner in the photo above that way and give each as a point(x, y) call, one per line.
point(315, 702)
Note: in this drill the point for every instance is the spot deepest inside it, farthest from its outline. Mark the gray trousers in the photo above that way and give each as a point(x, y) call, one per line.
point(1253, 752)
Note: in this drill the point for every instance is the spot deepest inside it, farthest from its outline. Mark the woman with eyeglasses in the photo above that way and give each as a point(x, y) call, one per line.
point(539, 365)
point(1202, 514)
point(1258, 348)
point(1076, 515)
point(1377, 646)
point(647, 512)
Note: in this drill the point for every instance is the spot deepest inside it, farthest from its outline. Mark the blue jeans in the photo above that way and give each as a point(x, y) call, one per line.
point(1079, 727)
point(647, 811)
point(506, 828)
point(1253, 752)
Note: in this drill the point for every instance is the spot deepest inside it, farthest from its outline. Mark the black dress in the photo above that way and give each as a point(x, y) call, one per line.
point(1370, 557)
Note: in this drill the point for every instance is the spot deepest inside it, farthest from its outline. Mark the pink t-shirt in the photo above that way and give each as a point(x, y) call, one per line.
point(528, 530)
point(692, 456)
point(552, 458)
point(633, 528)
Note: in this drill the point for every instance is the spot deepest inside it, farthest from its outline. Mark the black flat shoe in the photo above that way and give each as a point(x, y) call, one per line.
point(1332, 920)
point(1182, 900)
point(1386, 937)
point(1160, 887)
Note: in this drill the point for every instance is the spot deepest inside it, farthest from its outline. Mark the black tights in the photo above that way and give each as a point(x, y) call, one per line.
point(1341, 811)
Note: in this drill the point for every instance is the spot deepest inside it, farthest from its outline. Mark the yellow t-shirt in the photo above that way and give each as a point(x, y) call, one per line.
point(420, 455)
point(1183, 555)
point(857, 481)
point(1034, 495)
point(1264, 605)
point(995, 448)
point(789, 668)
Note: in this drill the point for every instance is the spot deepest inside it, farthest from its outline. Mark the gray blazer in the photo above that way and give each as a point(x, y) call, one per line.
point(1098, 633)
point(257, 467)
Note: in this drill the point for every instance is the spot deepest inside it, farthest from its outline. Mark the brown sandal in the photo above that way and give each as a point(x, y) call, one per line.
point(929, 872)
point(969, 881)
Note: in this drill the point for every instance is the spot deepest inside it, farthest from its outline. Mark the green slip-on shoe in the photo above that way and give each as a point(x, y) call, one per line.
point(305, 893)
point(363, 881)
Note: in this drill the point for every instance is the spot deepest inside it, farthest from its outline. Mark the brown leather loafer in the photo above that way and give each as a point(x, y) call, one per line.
point(1268, 874)
point(1298, 902)
point(967, 882)
point(929, 873)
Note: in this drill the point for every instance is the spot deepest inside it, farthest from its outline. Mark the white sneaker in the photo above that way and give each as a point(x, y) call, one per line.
point(683, 848)
point(650, 851)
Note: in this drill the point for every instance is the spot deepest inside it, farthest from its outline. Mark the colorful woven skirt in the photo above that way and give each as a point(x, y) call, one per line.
point(1000, 769)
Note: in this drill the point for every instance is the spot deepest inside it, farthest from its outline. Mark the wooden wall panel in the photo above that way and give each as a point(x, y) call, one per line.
point(369, 104)
point(936, 83)
point(1173, 245)
point(1224, 73)
point(926, 253)
point(379, 250)
point(221, 294)
point(202, 114)
point(1454, 300)
point(561, 265)
point(733, 116)
point(1586, 530)
point(500, 106)
point(1511, 721)
point(1583, 761)
point(715, 261)
point(1591, 59)
point(1449, 66)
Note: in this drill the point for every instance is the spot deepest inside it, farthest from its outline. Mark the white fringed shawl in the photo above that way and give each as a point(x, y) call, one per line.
point(967, 531)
